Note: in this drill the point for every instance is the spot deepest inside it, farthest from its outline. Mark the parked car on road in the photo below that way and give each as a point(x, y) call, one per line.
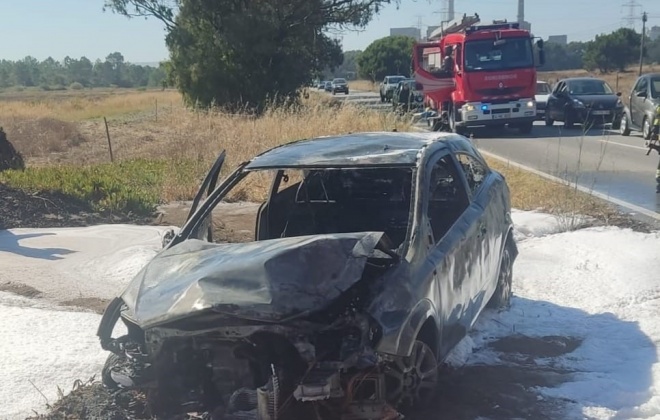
point(373, 255)
point(641, 105)
point(339, 86)
point(387, 87)
point(583, 100)
point(543, 91)
point(321, 84)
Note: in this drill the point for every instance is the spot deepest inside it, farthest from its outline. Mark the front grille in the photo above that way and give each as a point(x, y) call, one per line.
point(498, 91)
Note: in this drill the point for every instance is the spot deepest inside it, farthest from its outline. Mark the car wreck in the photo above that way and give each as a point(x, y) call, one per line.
point(372, 256)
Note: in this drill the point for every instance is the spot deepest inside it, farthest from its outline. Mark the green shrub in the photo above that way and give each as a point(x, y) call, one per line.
point(76, 86)
point(126, 187)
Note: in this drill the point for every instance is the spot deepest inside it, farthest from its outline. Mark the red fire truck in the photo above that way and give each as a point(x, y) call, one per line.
point(490, 80)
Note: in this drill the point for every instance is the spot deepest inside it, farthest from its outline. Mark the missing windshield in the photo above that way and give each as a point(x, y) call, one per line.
point(502, 54)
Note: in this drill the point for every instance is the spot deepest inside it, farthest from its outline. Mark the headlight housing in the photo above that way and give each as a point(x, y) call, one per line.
point(530, 104)
point(468, 107)
point(578, 103)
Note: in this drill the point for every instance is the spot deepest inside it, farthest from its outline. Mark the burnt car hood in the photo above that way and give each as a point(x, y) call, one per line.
point(262, 281)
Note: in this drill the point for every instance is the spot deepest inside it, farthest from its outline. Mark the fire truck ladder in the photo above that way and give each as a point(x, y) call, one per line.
point(455, 26)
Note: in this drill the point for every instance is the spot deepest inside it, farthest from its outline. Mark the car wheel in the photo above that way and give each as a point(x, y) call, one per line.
point(624, 126)
point(646, 129)
point(334, 93)
point(347, 92)
point(568, 121)
point(113, 361)
point(502, 296)
point(548, 121)
point(411, 381)
point(382, 98)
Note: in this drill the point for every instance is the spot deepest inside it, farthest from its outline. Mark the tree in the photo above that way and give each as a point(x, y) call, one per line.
point(240, 53)
point(347, 69)
point(614, 51)
point(563, 57)
point(389, 55)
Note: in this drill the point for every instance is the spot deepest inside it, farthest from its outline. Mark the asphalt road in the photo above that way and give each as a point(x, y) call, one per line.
point(597, 159)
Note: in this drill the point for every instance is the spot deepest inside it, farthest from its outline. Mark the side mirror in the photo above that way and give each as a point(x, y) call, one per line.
point(541, 57)
point(618, 94)
point(641, 94)
point(539, 44)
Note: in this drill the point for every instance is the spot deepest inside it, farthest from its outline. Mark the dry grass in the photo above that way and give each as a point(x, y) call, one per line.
point(620, 82)
point(532, 192)
point(364, 85)
point(193, 139)
point(86, 105)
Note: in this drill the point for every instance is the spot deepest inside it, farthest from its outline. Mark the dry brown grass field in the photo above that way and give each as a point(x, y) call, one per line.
point(66, 130)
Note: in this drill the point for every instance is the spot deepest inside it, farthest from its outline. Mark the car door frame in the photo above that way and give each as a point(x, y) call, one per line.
point(637, 109)
point(556, 104)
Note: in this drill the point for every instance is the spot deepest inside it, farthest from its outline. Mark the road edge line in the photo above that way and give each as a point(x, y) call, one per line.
point(616, 201)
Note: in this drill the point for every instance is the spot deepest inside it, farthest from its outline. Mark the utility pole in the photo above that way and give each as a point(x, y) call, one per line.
point(641, 49)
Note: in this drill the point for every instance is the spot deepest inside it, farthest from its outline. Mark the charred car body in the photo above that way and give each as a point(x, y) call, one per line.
point(373, 255)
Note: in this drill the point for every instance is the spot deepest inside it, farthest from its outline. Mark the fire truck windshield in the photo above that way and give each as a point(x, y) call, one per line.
point(505, 54)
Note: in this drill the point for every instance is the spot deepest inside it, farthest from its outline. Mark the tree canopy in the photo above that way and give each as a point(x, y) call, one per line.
point(614, 51)
point(389, 55)
point(241, 53)
point(52, 74)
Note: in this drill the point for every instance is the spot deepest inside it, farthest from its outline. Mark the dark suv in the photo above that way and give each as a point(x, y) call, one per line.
point(641, 105)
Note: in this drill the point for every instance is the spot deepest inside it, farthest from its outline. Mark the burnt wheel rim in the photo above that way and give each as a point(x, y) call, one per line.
point(412, 380)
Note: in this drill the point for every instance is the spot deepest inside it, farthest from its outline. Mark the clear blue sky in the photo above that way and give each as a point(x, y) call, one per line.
point(58, 28)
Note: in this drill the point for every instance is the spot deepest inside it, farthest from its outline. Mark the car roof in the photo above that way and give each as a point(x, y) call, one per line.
point(578, 79)
point(359, 149)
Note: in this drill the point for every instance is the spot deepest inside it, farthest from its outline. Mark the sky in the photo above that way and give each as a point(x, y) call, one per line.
point(43, 28)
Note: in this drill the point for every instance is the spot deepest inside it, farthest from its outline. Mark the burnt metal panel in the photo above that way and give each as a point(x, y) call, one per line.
point(264, 280)
point(363, 149)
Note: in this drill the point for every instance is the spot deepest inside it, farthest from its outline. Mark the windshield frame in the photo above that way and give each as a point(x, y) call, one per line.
point(546, 86)
point(470, 45)
point(570, 84)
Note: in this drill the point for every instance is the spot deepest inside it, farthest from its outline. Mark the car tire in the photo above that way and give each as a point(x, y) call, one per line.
point(106, 375)
point(347, 92)
point(502, 296)
point(334, 93)
point(624, 126)
point(420, 368)
point(548, 121)
point(647, 132)
point(568, 121)
point(382, 98)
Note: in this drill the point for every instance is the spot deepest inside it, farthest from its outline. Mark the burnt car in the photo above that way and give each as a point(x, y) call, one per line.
point(372, 256)
point(583, 100)
point(641, 105)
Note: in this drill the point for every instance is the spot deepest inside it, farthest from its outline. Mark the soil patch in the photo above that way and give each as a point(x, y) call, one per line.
point(20, 289)
point(95, 304)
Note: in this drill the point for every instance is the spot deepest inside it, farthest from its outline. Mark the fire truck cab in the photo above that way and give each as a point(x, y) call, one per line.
point(479, 76)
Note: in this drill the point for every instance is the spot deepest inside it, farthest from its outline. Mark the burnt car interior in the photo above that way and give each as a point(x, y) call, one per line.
point(338, 201)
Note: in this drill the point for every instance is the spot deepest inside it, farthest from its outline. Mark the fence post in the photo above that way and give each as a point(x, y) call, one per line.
point(107, 133)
